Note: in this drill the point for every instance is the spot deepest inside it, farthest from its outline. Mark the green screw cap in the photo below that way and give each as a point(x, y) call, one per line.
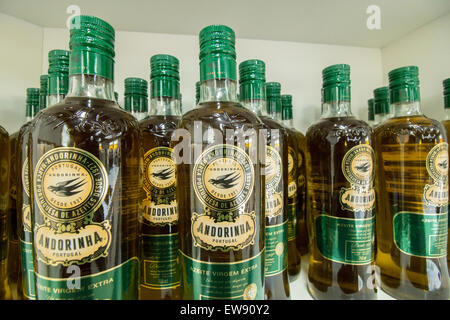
point(381, 100)
point(217, 39)
point(164, 65)
point(286, 105)
point(44, 83)
point(446, 84)
point(336, 83)
point(273, 90)
point(92, 46)
point(164, 76)
point(217, 53)
point(404, 84)
point(136, 86)
point(58, 71)
point(252, 70)
point(338, 74)
point(32, 101)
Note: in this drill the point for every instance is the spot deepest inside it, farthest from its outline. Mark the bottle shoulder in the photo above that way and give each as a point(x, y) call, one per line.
point(333, 130)
point(98, 118)
point(222, 115)
point(3, 133)
point(159, 123)
point(421, 127)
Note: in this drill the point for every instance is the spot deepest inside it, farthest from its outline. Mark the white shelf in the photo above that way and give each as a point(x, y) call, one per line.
point(299, 290)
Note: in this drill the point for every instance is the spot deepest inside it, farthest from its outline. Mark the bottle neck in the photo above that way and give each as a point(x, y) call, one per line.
point(406, 109)
point(274, 108)
point(165, 106)
point(379, 118)
point(53, 99)
point(336, 109)
point(253, 97)
point(218, 90)
point(289, 123)
point(92, 86)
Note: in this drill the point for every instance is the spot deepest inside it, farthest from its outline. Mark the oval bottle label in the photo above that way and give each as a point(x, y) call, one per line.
point(160, 207)
point(223, 179)
point(70, 184)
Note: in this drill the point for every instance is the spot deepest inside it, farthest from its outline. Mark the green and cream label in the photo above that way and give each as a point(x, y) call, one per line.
point(292, 172)
point(276, 250)
point(28, 284)
point(118, 283)
point(241, 280)
point(421, 235)
point(292, 221)
point(344, 240)
point(436, 194)
point(358, 169)
point(160, 261)
point(160, 207)
point(70, 185)
point(223, 180)
point(273, 172)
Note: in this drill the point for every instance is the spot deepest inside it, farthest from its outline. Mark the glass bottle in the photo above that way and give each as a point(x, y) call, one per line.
point(253, 97)
point(299, 227)
point(222, 196)
point(58, 85)
point(412, 189)
point(274, 109)
point(5, 290)
point(446, 124)
point(86, 168)
point(160, 274)
point(341, 197)
point(14, 273)
point(136, 97)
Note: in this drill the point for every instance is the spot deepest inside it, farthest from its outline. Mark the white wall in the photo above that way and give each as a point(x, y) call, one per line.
point(429, 49)
point(20, 67)
point(297, 66)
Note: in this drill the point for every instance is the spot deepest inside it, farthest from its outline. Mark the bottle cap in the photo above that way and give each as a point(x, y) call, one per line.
point(404, 84)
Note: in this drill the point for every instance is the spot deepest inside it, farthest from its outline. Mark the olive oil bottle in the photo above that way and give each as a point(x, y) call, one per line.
point(58, 85)
point(299, 225)
point(5, 290)
point(160, 274)
point(253, 96)
point(341, 197)
point(220, 198)
point(136, 97)
point(446, 124)
point(412, 189)
point(274, 108)
point(86, 168)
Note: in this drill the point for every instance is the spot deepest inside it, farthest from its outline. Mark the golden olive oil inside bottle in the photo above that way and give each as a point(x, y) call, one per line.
point(86, 167)
point(341, 197)
point(160, 274)
point(412, 191)
point(221, 201)
point(274, 138)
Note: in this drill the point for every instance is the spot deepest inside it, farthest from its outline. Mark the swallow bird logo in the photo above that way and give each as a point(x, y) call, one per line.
point(163, 174)
point(225, 181)
point(67, 188)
